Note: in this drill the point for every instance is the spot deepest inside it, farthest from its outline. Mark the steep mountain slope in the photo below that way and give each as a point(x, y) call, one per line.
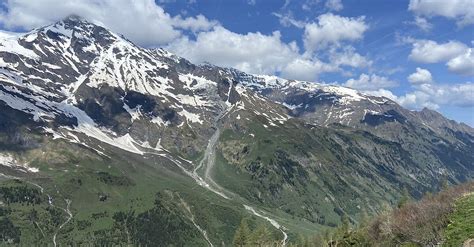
point(97, 128)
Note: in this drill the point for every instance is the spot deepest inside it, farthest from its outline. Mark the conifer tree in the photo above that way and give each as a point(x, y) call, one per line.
point(242, 234)
point(261, 236)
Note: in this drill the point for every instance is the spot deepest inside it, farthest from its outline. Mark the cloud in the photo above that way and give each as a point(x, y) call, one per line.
point(458, 57)
point(422, 23)
point(382, 93)
point(258, 53)
point(347, 56)
point(332, 29)
point(142, 21)
point(463, 64)
point(421, 76)
point(251, 52)
point(287, 20)
point(251, 2)
point(371, 82)
point(434, 96)
point(428, 51)
point(263, 54)
point(335, 5)
point(460, 10)
point(417, 100)
point(195, 24)
point(309, 5)
point(305, 69)
point(202, 40)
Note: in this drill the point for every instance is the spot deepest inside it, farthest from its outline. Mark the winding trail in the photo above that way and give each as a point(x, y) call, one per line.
point(272, 221)
point(178, 162)
point(191, 217)
point(68, 212)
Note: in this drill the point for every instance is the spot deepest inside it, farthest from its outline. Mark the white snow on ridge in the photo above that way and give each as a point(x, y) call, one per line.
point(60, 29)
point(9, 161)
point(6, 160)
point(125, 142)
point(56, 135)
point(22, 105)
point(85, 124)
point(158, 120)
point(51, 66)
point(200, 82)
point(135, 112)
point(123, 70)
point(345, 113)
point(291, 107)
point(88, 127)
point(166, 54)
point(193, 100)
point(30, 37)
point(347, 95)
point(191, 117)
point(9, 43)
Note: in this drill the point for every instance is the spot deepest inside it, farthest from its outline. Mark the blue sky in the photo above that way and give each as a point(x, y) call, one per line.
point(417, 52)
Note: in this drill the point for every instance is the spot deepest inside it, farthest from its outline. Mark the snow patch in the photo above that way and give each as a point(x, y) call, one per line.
point(191, 117)
point(9, 43)
point(158, 120)
point(195, 82)
point(291, 107)
point(9, 161)
point(135, 112)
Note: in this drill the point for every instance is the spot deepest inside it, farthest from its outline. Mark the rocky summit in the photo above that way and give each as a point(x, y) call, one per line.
point(107, 143)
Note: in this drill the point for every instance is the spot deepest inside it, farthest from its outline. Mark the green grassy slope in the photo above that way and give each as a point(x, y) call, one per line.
point(102, 189)
point(461, 227)
point(312, 172)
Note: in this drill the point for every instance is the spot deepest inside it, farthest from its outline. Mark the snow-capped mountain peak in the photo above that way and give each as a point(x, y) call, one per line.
point(75, 70)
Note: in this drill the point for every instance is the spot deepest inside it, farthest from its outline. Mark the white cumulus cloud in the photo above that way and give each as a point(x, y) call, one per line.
point(332, 29)
point(335, 5)
point(202, 40)
point(347, 56)
point(420, 76)
point(434, 96)
point(422, 23)
point(463, 64)
point(142, 21)
point(460, 10)
point(382, 93)
point(371, 82)
point(251, 52)
point(429, 51)
point(305, 69)
point(259, 53)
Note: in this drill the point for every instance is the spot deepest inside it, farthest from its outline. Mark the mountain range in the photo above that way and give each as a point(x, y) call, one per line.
point(107, 142)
